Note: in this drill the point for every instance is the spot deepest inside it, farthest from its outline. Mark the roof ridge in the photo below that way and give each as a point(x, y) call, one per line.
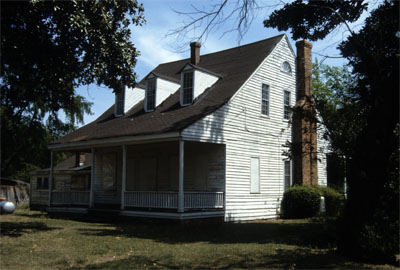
point(240, 46)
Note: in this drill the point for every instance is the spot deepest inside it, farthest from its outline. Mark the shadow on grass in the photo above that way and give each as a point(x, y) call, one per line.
point(17, 229)
point(311, 234)
point(283, 259)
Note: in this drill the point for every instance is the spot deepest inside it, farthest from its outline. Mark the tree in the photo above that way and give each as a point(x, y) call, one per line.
point(49, 48)
point(372, 212)
point(371, 216)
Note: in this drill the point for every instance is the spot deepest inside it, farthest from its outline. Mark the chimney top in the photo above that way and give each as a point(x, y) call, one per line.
point(303, 43)
point(195, 52)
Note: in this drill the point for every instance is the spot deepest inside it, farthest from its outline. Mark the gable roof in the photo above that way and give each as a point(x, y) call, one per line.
point(234, 65)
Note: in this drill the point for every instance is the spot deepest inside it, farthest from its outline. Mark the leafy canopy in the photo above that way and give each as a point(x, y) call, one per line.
point(49, 48)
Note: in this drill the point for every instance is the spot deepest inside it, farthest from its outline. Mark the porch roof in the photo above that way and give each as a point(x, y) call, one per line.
point(234, 65)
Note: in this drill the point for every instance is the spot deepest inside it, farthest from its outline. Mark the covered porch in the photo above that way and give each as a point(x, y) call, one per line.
point(163, 177)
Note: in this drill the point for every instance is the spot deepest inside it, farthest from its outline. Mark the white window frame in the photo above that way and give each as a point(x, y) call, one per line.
point(120, 102)
point(265, 101)
point(183, 88)
point(284, 68)
point(146, 101)
point(286, 107)
point(254, 178)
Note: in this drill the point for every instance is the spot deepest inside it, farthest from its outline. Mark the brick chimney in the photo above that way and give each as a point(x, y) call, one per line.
point(304, 121)
point(195, 52)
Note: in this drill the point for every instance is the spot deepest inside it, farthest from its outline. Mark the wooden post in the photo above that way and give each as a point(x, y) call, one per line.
point(123, 189)
point(91, 194)
point(181, 198)
point(51, 176)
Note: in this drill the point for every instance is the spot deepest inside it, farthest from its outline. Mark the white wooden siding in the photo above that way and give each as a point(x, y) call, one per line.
point(246, 133)
point(202, 81)
point(323, 149)
point(164, 90)
point(132, 97)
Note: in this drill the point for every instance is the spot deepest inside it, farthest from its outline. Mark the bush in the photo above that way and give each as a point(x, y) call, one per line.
point(301, 202)
point(334, 201)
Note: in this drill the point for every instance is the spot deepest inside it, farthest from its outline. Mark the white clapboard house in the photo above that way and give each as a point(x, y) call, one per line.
point(199, 137)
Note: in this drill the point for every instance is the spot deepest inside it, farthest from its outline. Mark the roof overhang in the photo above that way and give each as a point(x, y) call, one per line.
point(126, 140)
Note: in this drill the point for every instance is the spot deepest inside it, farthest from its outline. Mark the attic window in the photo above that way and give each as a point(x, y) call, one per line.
point(119, 102)
point(187, 88)
point(151, 94)
point(286, 67)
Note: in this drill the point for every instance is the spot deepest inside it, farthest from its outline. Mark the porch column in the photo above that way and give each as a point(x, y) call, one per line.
point(181, 198)
point(123, 189)
point(92, 171)
point(51, 177)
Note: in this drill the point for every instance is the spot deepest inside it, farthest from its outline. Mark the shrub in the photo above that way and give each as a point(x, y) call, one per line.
point(301, 202)
point(334, 201)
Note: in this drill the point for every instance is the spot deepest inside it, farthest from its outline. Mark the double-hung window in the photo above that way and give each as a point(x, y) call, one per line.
point(187, 88)
point(287, 174)
point(265, 100)
point(120, 102)
point(151, 94)
point(286, 105)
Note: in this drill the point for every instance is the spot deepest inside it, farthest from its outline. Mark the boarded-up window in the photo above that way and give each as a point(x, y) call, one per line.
point(173, 172)
point(148, 174)
point(109, 171)
point(42, 183)
point(79, 182)
point(201, 175)
point(287, 174)
point(132, 173)
point(254, 175)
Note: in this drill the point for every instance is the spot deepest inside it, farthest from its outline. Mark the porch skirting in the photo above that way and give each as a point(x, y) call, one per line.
point(137, 213)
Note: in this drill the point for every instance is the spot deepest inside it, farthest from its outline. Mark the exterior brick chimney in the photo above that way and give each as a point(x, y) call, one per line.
point(195, 53)
point(305, 121)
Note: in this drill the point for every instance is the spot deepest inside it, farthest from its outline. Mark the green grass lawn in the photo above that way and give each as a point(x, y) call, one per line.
point(33, 240)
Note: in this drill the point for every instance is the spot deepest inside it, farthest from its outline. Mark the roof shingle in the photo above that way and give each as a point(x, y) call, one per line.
point(234, 65)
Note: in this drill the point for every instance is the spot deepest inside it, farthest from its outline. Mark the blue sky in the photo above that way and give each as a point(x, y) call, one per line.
point(155, 48)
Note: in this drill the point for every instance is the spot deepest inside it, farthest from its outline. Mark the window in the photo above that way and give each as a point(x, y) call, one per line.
point(254, 175)
point(42, 183)
point(151, 94)
point(286, 105)
point(187, 94)
point(286, 67)
point(265, 100)
point(109, 171)
point(287, 174)
point(120, 97)
point(80, 182)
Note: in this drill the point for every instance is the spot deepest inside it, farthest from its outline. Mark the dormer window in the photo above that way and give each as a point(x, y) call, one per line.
point(286, 67)
point(151, 94)
point(120, 102)
point(187, 88)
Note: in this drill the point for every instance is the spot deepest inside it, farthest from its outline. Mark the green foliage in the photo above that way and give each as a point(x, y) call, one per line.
point(343, 116)
point(334, 201)
point(372, 54)
point(314, 20)
point(49, 48)
point(301, 202)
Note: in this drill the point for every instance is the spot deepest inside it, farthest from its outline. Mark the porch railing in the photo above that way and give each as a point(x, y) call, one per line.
point(70, 197)
point(204, 200)
point(169, 199)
